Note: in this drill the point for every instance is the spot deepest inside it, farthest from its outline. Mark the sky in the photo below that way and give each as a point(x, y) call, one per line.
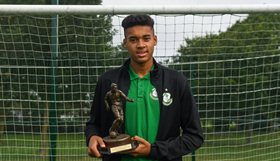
point(171, 31)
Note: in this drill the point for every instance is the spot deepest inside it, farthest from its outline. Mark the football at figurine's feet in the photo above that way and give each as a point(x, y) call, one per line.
point(113, 134)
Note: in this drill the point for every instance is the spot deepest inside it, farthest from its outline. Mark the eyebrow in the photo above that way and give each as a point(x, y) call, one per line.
point(133, 36)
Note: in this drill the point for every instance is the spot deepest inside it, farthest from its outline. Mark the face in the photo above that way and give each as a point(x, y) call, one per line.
point(114, 88)
point(140, 42)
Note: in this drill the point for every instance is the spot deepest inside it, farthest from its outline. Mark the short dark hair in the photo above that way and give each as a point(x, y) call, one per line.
point(134, 20)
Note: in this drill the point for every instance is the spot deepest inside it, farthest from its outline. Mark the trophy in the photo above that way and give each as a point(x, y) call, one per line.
point(116, 142)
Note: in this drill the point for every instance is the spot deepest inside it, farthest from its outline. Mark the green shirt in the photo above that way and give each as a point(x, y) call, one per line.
point(142, 115)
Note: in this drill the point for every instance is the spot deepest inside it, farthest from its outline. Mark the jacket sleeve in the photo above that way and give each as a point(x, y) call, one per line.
point(191, 137)
point(93, 124)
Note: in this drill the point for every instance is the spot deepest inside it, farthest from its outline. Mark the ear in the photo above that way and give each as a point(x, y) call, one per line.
point(155, 39)
point(124, 43)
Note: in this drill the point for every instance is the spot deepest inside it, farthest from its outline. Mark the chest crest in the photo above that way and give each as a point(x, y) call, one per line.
point(167, 98)
point(154, 94)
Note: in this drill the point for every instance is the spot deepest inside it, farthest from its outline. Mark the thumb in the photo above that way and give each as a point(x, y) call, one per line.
point(140, 140)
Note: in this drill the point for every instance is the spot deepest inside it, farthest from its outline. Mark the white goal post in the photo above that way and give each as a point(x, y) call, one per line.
point(128, 9)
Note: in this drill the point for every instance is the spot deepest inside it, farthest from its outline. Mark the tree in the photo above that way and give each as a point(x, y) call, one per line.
point(238, 71)
point(85, 44)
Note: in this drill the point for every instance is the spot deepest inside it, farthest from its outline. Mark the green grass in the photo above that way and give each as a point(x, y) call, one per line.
point(26, 147)
point(217, 147)
point(237, 147)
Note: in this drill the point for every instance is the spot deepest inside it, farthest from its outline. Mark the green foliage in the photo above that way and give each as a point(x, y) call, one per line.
point(235, 72)
point(27, 78)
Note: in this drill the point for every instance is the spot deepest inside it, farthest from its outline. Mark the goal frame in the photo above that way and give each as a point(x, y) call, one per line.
point(137, 9)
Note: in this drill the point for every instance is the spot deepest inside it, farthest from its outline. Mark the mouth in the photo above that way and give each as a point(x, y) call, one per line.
point(141, 53)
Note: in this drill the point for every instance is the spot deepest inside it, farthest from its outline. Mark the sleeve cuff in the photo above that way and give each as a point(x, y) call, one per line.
point(154, 152)
point(87, 139)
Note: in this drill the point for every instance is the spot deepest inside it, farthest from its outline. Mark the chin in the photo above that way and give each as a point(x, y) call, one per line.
point(142, 60)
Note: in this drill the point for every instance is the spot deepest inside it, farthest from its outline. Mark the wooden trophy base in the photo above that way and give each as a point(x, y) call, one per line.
point(121, 143)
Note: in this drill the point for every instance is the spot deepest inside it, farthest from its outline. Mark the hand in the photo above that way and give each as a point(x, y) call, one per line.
point(143, 149)
point(94, 142)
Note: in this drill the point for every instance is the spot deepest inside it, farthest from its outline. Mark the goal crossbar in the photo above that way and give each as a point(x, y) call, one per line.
point(125, 9)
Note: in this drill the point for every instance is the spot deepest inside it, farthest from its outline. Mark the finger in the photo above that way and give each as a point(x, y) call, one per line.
point(140, 140)
point(143, 148)
point(94, 143)
point(100, 142)
point(93, 152)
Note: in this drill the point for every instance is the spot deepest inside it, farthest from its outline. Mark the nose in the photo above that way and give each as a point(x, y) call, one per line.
point(140, 43)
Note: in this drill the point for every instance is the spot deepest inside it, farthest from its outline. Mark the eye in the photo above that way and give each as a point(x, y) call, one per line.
point(146, 39)
point(132, 40)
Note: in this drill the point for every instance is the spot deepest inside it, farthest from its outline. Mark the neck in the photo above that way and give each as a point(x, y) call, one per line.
point(141, 69)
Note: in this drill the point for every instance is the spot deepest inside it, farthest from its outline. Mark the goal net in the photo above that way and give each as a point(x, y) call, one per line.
point(49, 66)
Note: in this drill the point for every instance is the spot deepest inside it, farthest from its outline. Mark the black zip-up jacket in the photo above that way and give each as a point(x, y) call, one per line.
point(179, 130)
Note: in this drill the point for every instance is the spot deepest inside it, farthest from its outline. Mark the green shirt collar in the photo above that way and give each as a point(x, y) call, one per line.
point(134, 76)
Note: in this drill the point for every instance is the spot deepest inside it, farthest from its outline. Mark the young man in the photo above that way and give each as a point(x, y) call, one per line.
point(163, 117)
